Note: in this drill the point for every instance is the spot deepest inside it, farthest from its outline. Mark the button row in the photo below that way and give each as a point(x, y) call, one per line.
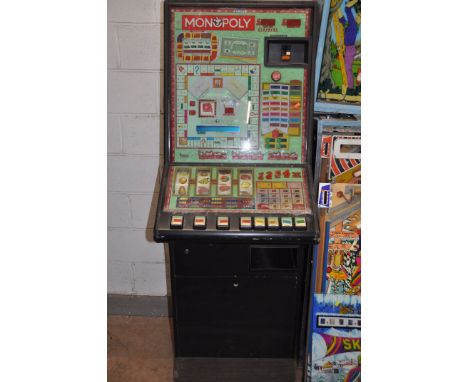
point(245, 222)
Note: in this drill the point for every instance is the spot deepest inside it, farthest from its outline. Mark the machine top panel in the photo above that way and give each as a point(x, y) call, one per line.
point(239, 84)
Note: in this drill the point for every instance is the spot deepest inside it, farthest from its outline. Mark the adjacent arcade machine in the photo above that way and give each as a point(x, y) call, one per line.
point(237, 205)
point(336, 338)
point(334, 322)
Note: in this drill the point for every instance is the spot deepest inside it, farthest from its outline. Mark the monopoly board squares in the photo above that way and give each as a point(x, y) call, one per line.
point(217, 106)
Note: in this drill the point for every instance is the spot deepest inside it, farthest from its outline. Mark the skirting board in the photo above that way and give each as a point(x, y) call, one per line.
point(131, 305)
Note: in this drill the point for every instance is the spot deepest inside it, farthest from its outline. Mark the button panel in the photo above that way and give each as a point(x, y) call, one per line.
point(199, 222)
point(177, 221)
point(222, 222)
point(272, 223)
point(245, 222)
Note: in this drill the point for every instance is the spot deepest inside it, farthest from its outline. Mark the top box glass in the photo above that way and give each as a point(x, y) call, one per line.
point(239, 82)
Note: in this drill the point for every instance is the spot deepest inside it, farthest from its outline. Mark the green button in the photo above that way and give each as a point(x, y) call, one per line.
point(300, 222)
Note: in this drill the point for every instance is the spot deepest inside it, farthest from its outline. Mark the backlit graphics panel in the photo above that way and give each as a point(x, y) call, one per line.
point(226, 102)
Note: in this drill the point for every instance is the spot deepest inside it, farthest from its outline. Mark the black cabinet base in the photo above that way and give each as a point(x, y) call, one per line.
point(234, 370)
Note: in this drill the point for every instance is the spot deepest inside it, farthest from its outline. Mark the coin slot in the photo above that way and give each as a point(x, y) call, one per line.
point(325, 197)
point(286, 51)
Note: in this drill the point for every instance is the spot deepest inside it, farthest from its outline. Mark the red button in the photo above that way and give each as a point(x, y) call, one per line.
point(276, 75)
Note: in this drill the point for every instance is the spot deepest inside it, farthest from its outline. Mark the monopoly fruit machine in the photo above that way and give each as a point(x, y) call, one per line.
point(334, 336)
point(237, 202)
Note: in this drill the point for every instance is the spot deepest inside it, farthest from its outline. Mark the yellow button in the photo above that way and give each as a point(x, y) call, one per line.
point(273, 222)
point(259, 222)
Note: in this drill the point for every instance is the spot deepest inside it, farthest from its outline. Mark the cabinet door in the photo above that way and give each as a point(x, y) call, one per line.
point(256, 316)
point(207, 259)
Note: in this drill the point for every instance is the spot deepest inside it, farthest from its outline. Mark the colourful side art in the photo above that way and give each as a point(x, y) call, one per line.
point(340, 179)
point(344, 155)
point(335, 344)
point(340, 73)
point(343, 253)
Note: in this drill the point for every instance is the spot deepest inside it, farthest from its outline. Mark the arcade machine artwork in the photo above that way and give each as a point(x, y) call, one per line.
point(229, 102)
point(334, 341)
point(236, 203)
point(338, 84)
point(337, 263)
point(338, 169)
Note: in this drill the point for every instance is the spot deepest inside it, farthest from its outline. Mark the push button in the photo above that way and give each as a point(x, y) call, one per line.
point(259, 222)
point(273, 222)
point(222, 222)
point(177, 221)
point(199, 222)
point(276, 75)
point(286, 223)
point(300, 222)
point(245, 222)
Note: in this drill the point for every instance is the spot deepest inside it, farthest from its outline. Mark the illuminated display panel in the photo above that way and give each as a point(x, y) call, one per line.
point(237, 189)
point(226, 105)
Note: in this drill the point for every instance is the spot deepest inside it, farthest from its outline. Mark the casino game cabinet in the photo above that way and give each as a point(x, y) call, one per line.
point(237, 202)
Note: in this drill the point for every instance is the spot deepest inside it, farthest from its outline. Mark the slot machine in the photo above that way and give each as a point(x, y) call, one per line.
point(333, 348)
point(237, 203)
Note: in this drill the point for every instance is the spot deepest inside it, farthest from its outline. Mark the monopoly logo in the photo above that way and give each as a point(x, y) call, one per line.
point(218, 22)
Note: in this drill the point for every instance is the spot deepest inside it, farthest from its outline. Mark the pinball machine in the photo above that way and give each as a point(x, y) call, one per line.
point(237, 203)
point(336, 276)
point(334, 327)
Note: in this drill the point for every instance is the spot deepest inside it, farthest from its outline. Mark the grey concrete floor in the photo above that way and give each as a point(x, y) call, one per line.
point(139, 349)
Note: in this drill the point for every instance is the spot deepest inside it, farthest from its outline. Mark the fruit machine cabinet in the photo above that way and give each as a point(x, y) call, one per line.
point(237, 203)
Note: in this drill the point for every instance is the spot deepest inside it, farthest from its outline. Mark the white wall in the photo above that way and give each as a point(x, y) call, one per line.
point(136, 265)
